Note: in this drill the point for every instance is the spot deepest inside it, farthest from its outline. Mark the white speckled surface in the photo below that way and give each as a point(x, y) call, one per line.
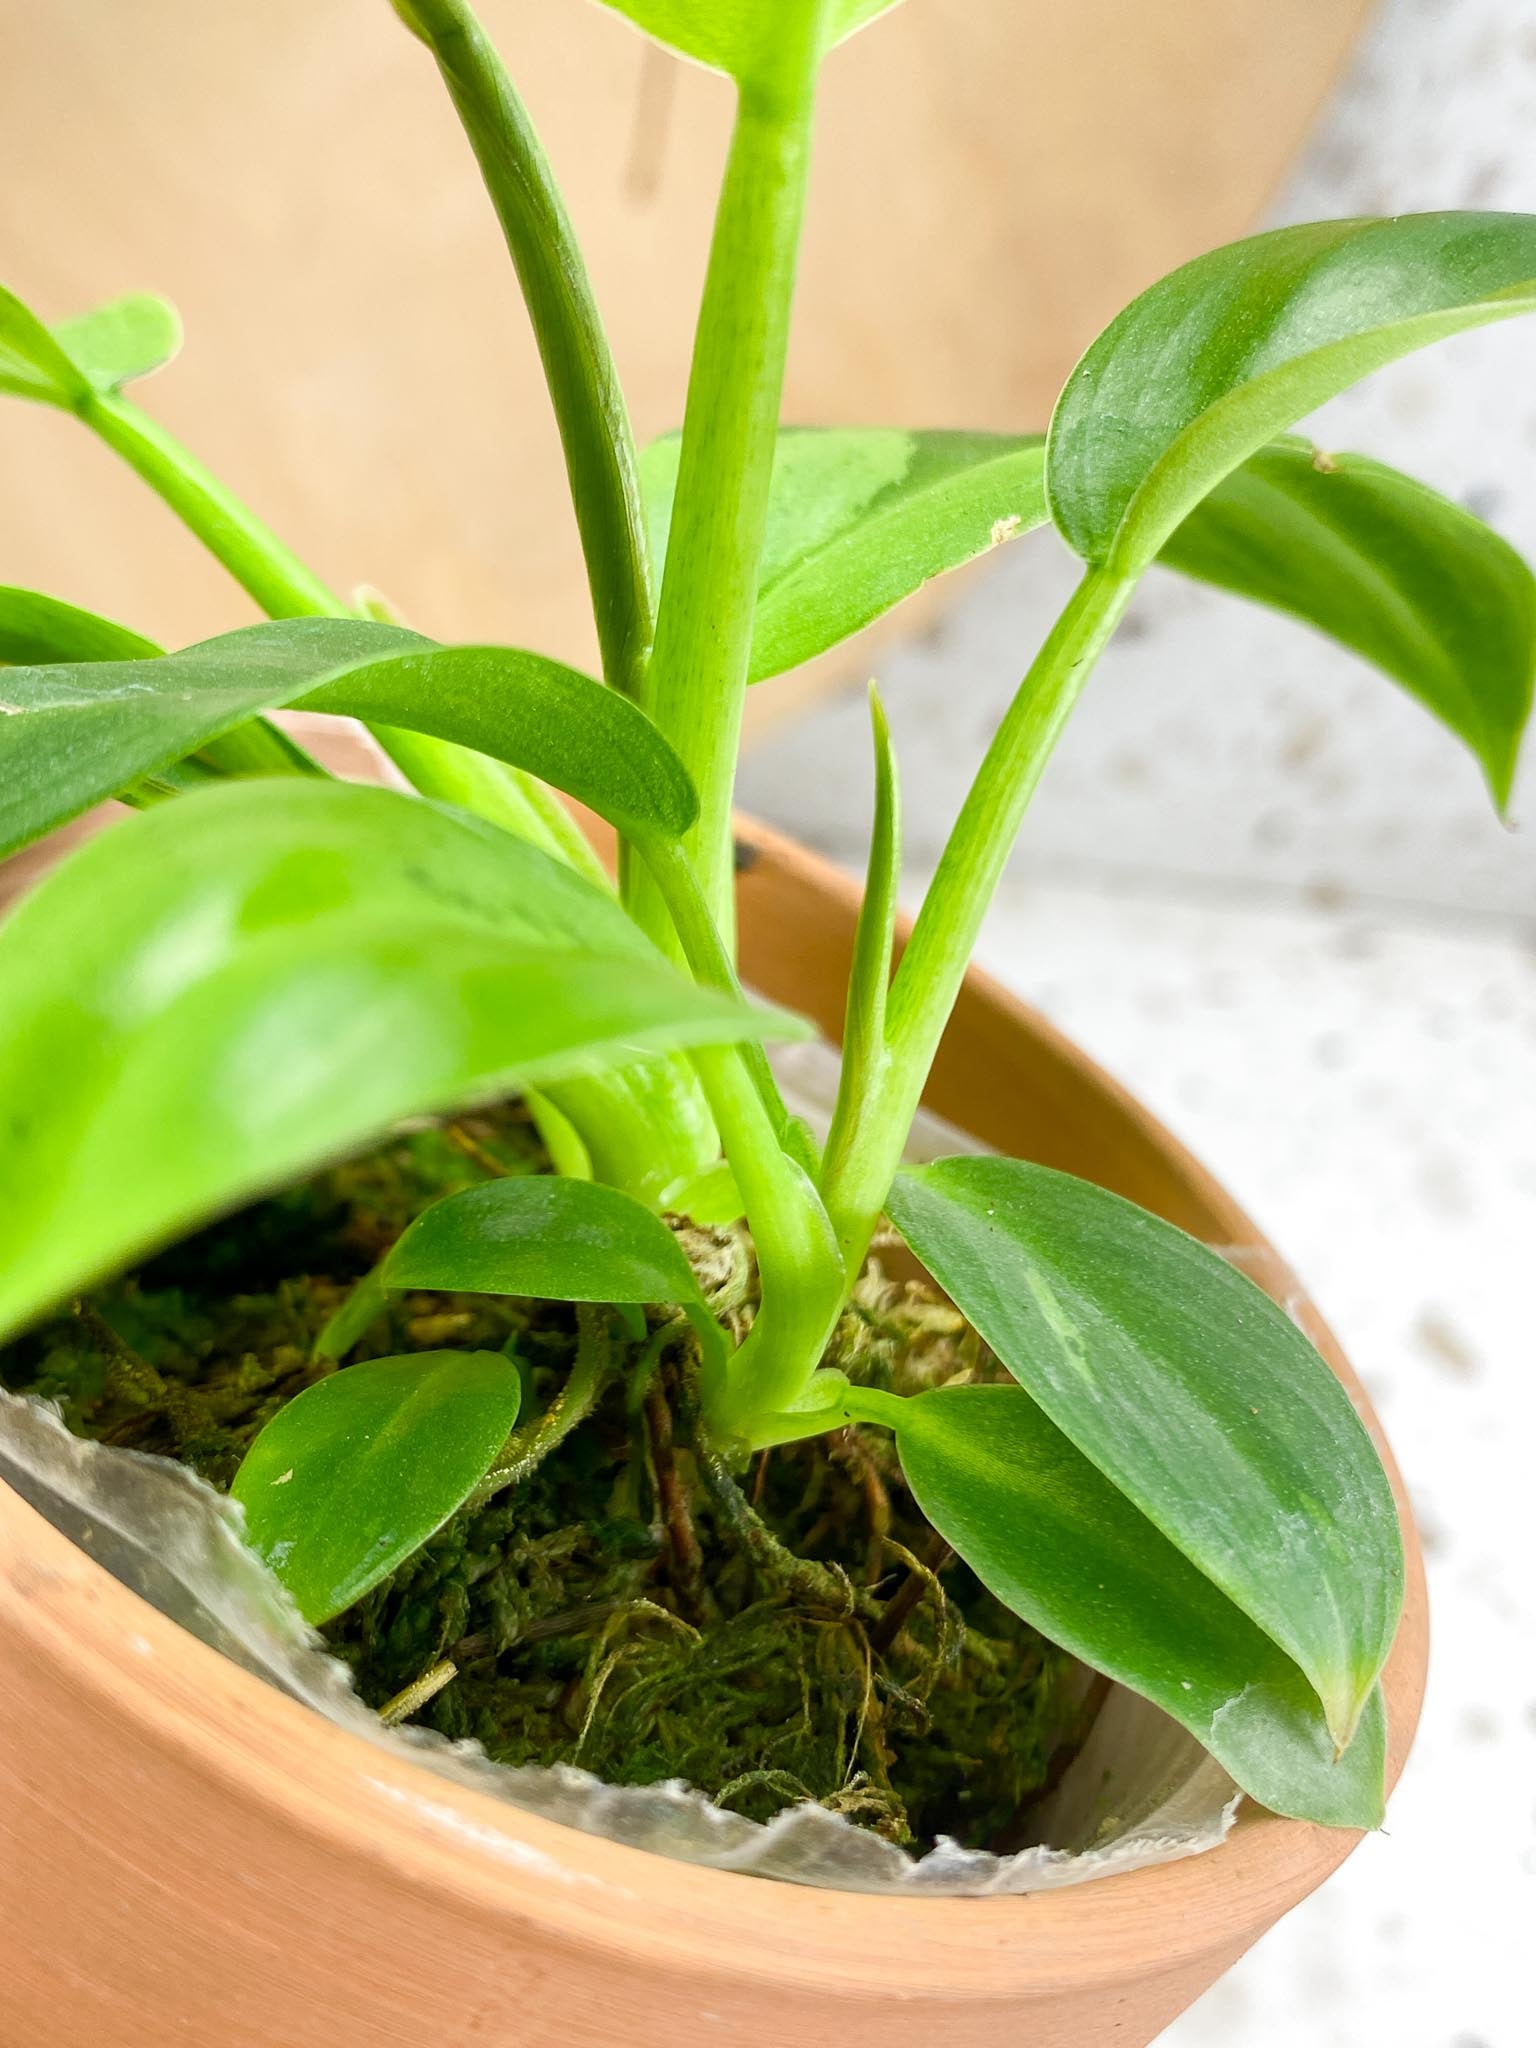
point(1268, 893)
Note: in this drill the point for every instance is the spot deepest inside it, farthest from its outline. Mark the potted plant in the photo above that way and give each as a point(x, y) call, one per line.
point(571, 1403)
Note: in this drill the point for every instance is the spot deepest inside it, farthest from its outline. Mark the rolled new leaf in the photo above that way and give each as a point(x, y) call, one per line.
point(226, 991)
point(1044, 1530)
point(543, 1237)
point(1190, 1391)
point(1385, 566)
point(861, 517)
point(352, 1476)
point(76, 733)
point(1231, 349)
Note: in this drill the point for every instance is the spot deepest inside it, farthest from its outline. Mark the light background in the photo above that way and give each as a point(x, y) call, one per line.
point(1268, 893)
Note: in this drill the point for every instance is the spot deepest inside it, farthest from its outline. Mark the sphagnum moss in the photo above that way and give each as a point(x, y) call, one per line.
point(826, 1645)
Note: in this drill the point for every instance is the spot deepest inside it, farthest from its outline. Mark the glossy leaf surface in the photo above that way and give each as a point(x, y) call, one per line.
point(1050, 1536)
point(227, 990)
point(553, 1240)
point(1230, 350)
point(352, 1476)
point(1389, 568)
point(1190, 1391)
point(76, 734)
point(860, 518)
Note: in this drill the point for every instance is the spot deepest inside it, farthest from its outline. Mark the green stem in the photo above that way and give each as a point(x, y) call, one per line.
point(578, 365)
point(858, 1173)
point(247, 547)
point(527, 1448)
point(696, 683)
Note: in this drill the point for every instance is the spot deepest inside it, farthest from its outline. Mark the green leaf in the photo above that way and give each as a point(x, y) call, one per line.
point(352, 1476)
point(1190, 1391)
point(551, 1240)
point(32, 362)
point(737, 36)
point(1389, 568)
point(861, 517)
point(122, 340)
point(35, 628)
point(76, 734)
point(1231, 349)
point(1048, 1534)
point(225, 991)
point(98, 351)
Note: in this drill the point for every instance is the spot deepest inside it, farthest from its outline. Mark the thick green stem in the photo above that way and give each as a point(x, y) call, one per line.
point(696, 683)
point(859, 1169)
point(578, 366)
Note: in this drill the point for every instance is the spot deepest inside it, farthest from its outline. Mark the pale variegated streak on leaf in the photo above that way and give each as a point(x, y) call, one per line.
point(1048, 1535)
point(1190, 1390)
point(228, 990)
point(861, 517)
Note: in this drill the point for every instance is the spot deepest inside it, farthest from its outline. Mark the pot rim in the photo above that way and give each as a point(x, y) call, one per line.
point(504, 1864)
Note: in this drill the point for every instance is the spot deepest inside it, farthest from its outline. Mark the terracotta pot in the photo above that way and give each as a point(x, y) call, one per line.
point(187, 1855)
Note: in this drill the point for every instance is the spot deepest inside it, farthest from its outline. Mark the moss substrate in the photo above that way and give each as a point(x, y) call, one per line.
point(795, 1631)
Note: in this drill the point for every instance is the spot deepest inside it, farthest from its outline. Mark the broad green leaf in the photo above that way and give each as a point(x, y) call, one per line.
point(1389, 568)
point(552, 1240)
point(1190, 1391)
point(352, 1476)
point(77, 733)
point(225, 991)
point(1048, 1534)
point(741, 37)
point(861, 517)
point(97, 351)
point(1231, 349)
point(35, 628)
point(122, 340)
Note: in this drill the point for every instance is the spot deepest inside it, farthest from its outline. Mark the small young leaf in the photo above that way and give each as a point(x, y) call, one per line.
point(125, 339)
point(1388, 567)
point(78, 733)
point(225, 991)
point(549, 1239)
point(97, 351)
point(1231, 349)
point(861, 517)
point(32, 362)
point(735, 36)
point(1049, 1535)
point(1190, 1391)
point(352, 1476)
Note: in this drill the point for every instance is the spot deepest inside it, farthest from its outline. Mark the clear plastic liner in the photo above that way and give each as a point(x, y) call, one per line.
point(1141, 1792)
